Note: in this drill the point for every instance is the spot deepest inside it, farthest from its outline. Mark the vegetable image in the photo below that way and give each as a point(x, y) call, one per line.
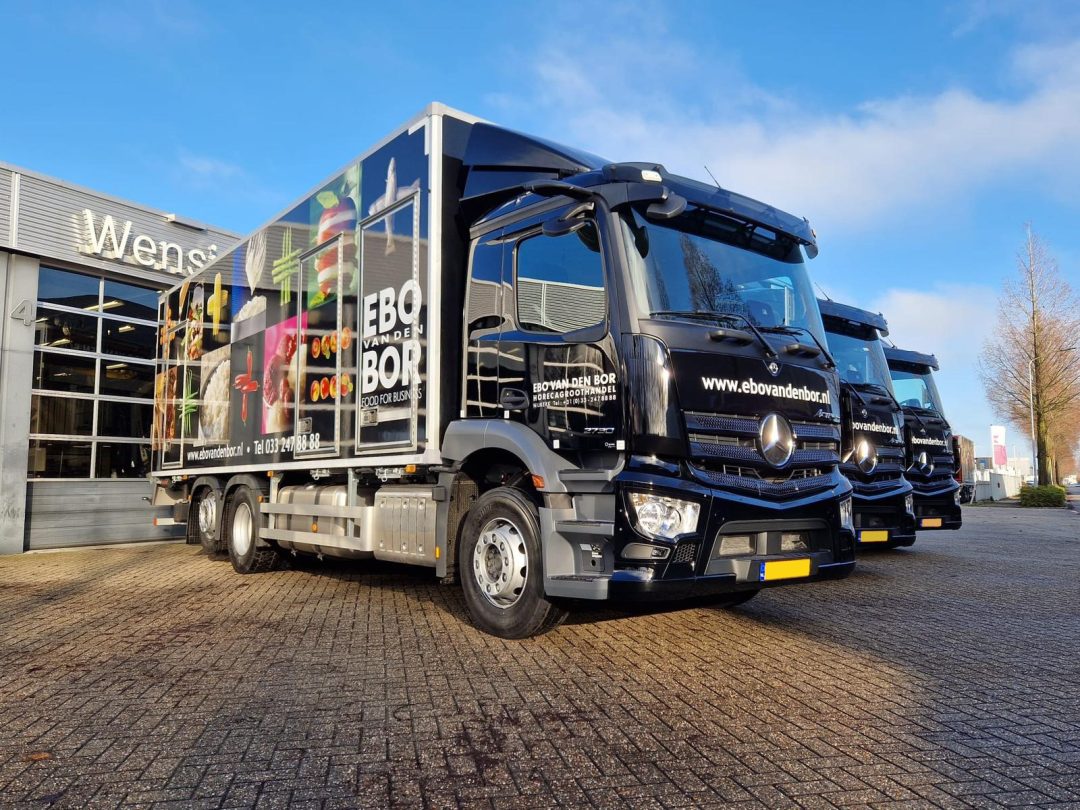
point(325, 388)
point(316, 348)
point(346, 384)
point(333, 387)
point(245, 384)
point(217, 303)
point(346, 338)
point(314, 396)
point(286, 267)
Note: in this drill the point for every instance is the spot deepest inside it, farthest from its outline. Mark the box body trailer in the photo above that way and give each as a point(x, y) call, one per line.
point(873, 452)
point(930, 452)
point(544, 375)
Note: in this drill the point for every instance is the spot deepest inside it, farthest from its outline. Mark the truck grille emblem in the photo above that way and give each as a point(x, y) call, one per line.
point(923, 462)
point(773, 367)
point(865, 457)
point(776, 439)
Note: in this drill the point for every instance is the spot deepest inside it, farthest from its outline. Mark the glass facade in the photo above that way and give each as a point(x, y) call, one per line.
point(93, 380)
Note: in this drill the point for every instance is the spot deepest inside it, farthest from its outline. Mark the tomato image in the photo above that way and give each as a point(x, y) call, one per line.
point(325, 391)
point(346, 338)
point(314, 390)
point(316, 347)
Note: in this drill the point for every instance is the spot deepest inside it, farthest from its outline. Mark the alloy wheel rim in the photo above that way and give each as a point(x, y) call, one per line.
point(501, 563)
point(207, 514)
point(241, 529)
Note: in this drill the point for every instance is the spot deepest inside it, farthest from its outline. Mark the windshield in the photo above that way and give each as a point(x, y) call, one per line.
point(860, 360)
point(704, 262)
point(916, 390)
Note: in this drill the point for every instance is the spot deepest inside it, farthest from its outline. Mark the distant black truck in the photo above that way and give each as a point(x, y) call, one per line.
point(872, 448)
point(931, 460)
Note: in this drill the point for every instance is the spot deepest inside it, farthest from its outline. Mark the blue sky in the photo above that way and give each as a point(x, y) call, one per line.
point(917, 137)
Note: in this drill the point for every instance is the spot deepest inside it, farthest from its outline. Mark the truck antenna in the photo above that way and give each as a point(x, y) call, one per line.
point(822, 291)
point(715, 181)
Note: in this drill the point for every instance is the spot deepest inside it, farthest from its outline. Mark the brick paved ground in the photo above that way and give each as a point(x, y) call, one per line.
point(946, 675)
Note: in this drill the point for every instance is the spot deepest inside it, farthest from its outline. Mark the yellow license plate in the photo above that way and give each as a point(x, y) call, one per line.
point(931, 523)
point(784, 569)
point(874, 537)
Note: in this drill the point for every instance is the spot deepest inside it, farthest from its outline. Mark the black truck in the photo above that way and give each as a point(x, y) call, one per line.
point(542, 374)
point(873, 450)
point(930, 453)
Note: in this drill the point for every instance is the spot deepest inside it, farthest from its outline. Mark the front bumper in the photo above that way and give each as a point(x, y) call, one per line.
point(695, 567)
point(936, 504)
point(883, 521)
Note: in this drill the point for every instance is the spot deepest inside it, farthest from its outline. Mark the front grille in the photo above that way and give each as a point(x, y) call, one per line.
point(773, 489)
point(724, 452)
point(685, 553)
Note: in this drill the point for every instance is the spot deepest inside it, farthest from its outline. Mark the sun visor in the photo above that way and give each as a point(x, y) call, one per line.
point(895, 355)
point(846, 312)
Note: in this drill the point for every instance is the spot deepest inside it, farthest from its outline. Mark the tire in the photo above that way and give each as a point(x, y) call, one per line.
point(735, 599)
point(241, 530)
point(501, 565)
point(206, 513)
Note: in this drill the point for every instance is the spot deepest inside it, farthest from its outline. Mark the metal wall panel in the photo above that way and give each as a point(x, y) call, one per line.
point(5, 207)
point(85, 513)
point(51, 224)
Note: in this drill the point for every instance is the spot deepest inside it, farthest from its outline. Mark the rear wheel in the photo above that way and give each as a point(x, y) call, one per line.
point(501, 566)
point(207, 517)
point(242, 521)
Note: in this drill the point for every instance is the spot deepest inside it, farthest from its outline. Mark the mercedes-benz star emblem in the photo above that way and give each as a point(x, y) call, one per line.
point(773, 367)
point(924, 462)
point(865, 456)
point(776, 439)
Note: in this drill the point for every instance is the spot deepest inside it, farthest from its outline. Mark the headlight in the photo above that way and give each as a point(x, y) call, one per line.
point(956, 497)
point(909, 503)
point(845, 515)
point(662, 517)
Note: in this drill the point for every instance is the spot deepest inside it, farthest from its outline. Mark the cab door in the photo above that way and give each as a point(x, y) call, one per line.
point(484, 320)
point(557, 371)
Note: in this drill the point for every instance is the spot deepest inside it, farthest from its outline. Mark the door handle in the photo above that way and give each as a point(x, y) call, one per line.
point(513, 399)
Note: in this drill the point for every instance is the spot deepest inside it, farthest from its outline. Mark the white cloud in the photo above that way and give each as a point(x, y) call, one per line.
point(205, 170)
point(846, 171)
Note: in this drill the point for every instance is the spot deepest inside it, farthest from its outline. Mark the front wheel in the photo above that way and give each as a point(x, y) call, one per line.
point(242, 521)
point(501, 565)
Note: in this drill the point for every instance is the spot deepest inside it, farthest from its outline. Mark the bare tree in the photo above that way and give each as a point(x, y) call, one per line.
point(1038, 326)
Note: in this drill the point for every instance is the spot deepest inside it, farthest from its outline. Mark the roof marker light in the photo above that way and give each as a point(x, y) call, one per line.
point(651, 176)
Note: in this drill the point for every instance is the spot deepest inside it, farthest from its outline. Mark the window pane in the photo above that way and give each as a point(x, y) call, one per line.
point(128, 419)
point(65, 330)
point(127, 379)
point(129, 301)
point(63, 372)
point(128, 339)
point(116, 460)
point(560, 281)
point(52, 458)
point(67, 288)
point(69, 416)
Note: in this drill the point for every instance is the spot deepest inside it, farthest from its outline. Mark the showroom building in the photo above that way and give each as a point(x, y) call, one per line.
point(80, 274)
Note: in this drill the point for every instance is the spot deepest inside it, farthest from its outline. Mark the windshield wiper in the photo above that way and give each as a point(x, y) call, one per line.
point(706, 315)
point(802, 330)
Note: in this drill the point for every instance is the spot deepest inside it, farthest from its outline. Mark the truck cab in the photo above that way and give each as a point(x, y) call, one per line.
point(661, 337)
point(930, 455)
point(873, 451)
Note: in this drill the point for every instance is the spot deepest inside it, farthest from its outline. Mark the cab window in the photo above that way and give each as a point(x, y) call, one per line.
point(560, 281)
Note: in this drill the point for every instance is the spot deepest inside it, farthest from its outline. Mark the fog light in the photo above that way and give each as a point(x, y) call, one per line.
point(793, 541)
point(736, 545)
point(662, 517)
point(643, 551)
point(845, 515)
point(909, 503)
